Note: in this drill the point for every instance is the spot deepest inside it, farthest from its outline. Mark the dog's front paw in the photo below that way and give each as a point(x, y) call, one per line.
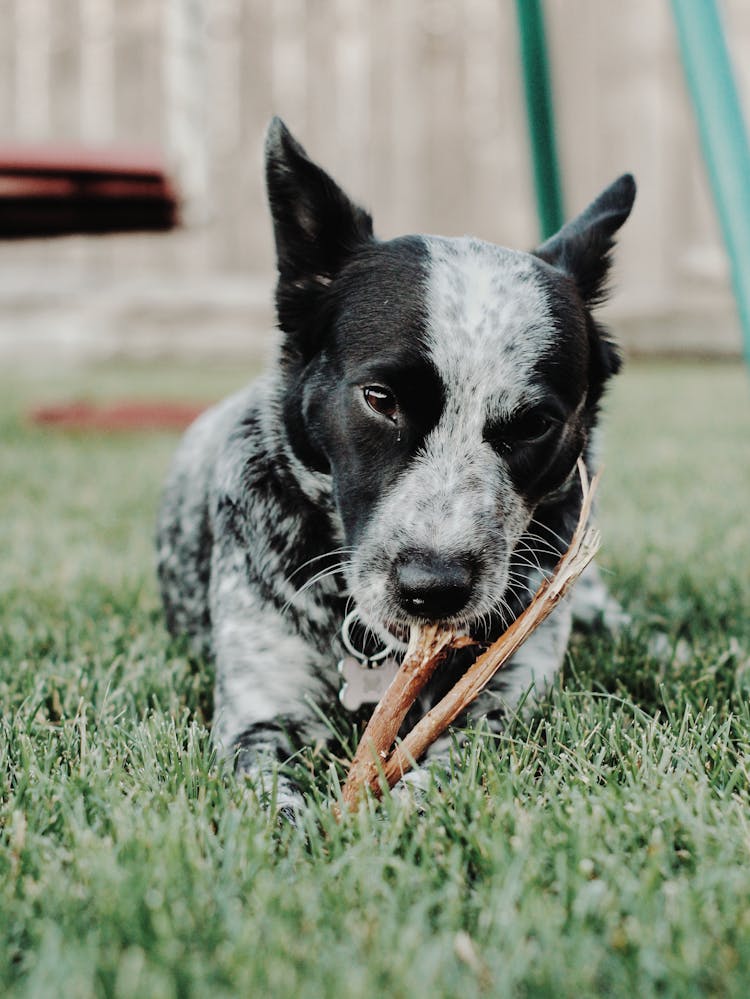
point(288, 805)
point(415, 788)
point(275, 793)
point(288, 813)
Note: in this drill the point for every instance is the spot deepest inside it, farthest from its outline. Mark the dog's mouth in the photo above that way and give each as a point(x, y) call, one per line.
point(394, 634)
point(370, 638)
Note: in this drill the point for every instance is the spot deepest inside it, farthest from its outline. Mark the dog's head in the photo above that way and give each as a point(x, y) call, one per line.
point(446, 386)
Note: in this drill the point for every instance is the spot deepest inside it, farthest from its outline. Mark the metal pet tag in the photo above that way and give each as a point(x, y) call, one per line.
point(363, 683)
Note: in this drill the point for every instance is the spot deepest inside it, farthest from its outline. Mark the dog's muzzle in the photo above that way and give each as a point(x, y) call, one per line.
point(433, 587)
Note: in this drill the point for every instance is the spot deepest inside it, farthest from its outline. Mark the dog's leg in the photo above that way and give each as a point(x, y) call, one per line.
point(267, 680)
point(593, 605)
point(531, 671)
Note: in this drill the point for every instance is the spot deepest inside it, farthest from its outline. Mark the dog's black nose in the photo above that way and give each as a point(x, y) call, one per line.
point(432, 587)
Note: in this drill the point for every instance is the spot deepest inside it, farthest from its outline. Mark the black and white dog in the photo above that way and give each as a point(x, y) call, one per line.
point(411, 457)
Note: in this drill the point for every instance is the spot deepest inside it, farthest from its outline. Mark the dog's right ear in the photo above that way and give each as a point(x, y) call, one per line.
point(583, 247)
point(316, 226)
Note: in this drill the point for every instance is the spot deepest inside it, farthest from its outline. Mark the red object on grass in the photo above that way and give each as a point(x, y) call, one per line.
point(118, 415)
point(56, 189)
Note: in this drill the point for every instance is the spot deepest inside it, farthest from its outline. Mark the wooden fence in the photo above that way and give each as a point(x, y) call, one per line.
point(415, 105)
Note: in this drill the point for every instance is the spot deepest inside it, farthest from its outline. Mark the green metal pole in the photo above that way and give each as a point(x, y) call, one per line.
point(723, 136)
point(540, 116)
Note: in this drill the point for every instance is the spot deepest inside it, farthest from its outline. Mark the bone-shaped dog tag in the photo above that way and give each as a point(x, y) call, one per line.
point(362, 683)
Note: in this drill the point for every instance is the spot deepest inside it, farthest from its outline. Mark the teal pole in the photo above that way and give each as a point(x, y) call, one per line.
point(722, 134)
point(540, 116)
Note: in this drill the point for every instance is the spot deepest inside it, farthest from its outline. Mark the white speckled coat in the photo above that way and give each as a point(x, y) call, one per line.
point(411, 455)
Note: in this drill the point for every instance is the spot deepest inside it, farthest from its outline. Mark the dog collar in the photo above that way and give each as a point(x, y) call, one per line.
point(364, 678)
point(352, 618)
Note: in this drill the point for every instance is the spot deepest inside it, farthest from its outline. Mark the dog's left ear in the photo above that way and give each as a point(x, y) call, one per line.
point(583, 247)
point(316, 226)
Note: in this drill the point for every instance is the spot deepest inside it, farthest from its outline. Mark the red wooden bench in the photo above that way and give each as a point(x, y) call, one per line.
point(56, 189)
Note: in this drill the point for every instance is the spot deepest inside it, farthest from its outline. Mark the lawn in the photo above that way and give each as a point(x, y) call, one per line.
point(601, 846)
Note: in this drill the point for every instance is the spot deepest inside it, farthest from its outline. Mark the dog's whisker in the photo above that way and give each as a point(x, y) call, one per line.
point(487, 621)
point(502, 608)
point(532, 563)
point(525, 546)
point(317, 578)
point(543, 543)
point(346, 550)
point(539, 555)
point(519, 581)
point(555, 534)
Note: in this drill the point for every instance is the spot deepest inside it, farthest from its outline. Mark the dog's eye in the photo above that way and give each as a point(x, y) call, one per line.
point(381, 400)
point(529, 428)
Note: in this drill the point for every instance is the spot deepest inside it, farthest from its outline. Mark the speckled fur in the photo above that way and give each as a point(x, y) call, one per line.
point(254, 507)
point(235, 524)
point(457, 497)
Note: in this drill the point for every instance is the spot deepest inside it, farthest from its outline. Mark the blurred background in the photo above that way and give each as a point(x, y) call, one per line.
point(416, 108)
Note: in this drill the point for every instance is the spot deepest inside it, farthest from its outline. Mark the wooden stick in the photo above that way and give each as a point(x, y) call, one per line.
point(427, 648)
point(479, 674)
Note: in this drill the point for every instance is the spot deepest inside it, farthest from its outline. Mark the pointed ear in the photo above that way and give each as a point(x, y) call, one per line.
point(315, 224)
point(583, 247)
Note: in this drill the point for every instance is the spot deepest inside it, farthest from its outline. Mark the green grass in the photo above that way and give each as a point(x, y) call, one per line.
point(600, 847)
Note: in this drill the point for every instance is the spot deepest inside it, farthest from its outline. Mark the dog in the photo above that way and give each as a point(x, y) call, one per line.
point(410, 457)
